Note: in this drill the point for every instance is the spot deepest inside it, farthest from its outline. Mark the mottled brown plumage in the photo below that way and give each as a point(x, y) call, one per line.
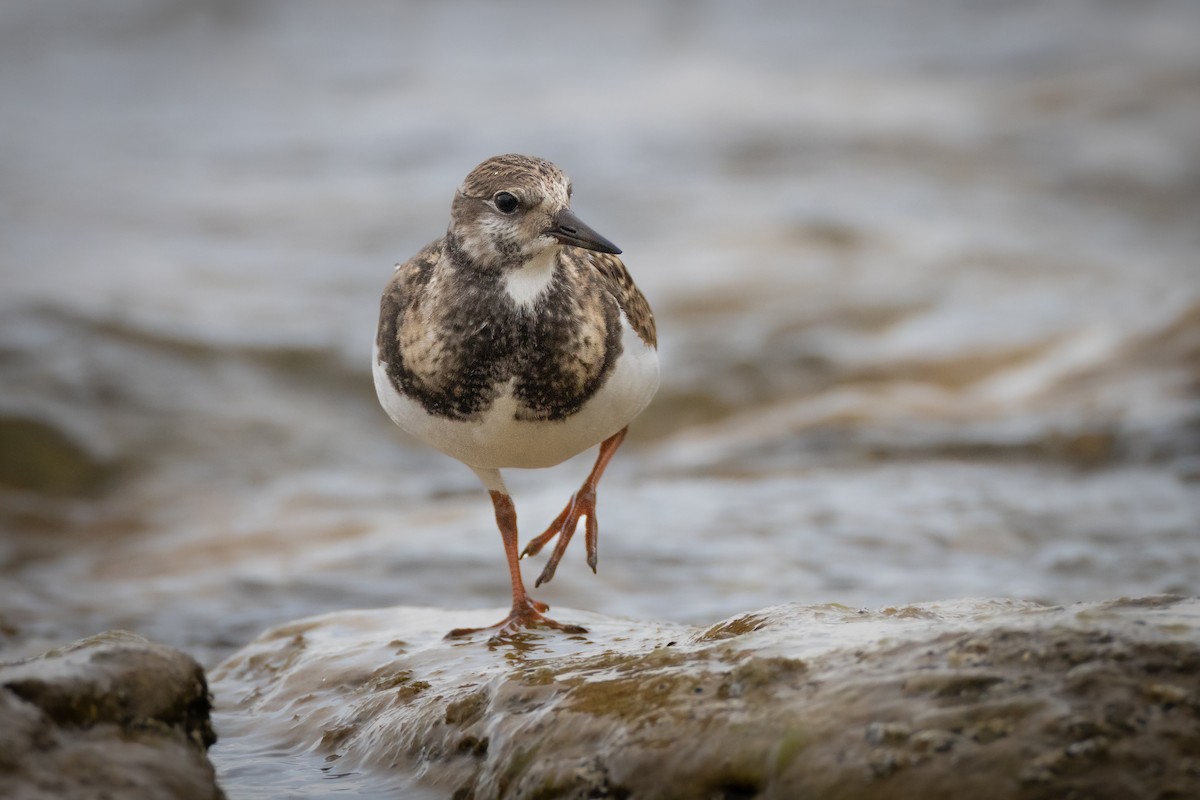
point(620, 283)
point(517, 340)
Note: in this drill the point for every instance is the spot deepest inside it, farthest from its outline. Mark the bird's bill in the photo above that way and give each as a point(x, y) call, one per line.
point(570, 229)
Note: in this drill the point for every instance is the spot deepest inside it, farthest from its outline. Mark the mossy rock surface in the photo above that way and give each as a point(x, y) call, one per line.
point(985, 699)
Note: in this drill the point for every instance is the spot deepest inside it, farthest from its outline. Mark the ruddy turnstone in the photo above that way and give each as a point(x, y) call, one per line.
point(518, 339)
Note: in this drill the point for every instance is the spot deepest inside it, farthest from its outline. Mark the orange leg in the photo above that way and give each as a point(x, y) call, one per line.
point(582, 504)
point(526, 612)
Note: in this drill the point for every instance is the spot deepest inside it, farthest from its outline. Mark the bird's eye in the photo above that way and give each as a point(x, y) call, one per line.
point(505, 202)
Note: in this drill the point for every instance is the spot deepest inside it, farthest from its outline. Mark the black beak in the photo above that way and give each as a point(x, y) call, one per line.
point(570, 229)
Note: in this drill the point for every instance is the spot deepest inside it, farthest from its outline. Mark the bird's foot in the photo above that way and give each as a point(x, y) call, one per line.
point(582, 505)
point(526, 613)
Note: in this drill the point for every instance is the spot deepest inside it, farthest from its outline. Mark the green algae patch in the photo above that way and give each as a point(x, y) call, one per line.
point(384, 680)
point(735, 627)
point(792, 742)
point(759, 674)
point(632, 698)
point(542, 676)
point(280, 660)
point(401, 681)
point(952, 685)
point(657, 658)
point(411, 690)
point(908, 612)
point(467, 710)
point(636, 686)
point(333, 737)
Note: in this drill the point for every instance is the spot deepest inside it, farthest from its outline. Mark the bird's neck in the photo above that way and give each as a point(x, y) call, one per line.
point(523, 278)
point(526, 284)
point(480, 253)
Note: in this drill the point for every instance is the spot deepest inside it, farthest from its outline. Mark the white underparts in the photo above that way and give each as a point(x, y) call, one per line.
point(498, 439)
point(527, 284)
point(491, 479)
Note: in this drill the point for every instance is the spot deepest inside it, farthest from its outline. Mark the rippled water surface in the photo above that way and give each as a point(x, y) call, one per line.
point(927, 281)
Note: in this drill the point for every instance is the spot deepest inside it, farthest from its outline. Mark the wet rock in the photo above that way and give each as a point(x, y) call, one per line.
point(38, 457)
point(987, 699)
point(113, 715)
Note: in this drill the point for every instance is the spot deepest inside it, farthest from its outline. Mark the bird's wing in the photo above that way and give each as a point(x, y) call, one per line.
point(628, 296)
point(403, 297)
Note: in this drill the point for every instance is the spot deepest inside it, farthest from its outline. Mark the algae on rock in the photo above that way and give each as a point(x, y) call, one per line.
point(989, 699)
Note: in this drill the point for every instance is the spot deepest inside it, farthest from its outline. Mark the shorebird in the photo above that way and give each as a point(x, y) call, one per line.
point(518, 339)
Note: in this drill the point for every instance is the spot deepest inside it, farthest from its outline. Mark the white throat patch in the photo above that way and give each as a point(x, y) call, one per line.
point(527, 284)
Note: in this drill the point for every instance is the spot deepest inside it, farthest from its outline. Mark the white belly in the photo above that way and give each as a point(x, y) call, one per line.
point(500, 440)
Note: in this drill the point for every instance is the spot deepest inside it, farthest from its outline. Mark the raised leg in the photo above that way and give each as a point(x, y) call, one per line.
point(526, 612)
point(582, 505)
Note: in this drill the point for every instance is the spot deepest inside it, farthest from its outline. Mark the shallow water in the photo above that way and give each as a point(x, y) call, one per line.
point(926, 279)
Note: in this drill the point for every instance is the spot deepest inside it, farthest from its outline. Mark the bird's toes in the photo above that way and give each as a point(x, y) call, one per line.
point(546, 575)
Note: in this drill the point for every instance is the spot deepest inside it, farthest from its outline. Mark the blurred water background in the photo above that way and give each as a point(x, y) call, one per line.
point(927, 278)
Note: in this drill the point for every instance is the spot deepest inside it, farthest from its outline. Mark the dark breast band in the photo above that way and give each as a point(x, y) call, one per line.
point(456, 357)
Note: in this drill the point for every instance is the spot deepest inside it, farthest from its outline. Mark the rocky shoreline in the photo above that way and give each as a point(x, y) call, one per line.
point(113, 715)
point(979, 698)
point(988, 699)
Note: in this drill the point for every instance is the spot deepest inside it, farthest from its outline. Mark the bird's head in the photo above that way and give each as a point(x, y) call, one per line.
point(512, 208)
